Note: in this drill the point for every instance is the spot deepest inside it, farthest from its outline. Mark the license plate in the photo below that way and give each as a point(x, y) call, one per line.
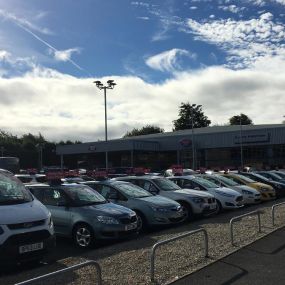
point(130, 227)
point(213, 206)
point(31, 247)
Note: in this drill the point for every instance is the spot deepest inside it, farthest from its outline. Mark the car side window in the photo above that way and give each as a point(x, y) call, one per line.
point(38, 193)
point(186, 184)
point(145, 185)
point(54, 197)
point(176, 181)
point(108, 192)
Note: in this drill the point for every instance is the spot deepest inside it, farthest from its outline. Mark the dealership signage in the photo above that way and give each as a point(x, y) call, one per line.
point(185, 142)
point(252, 138)
point(92, 148)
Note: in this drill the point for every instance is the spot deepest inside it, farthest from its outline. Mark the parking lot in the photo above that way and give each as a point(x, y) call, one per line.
point(127, 262)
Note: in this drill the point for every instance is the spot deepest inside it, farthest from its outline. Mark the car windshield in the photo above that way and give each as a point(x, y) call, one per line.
point(83, 195)
point(228, 181)
point(12, 191)
point(166, 184)
point(275, 176)
point(244, 178)
point(259, 176)
point(133, 191)
point(205, 183)
point(281, 174)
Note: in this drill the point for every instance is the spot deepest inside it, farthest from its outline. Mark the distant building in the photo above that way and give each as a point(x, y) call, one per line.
point(262, 145)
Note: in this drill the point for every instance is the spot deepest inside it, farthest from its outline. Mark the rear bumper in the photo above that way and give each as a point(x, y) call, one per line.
point(9, 252)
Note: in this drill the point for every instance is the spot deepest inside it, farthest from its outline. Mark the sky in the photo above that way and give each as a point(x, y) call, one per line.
point(227, 55)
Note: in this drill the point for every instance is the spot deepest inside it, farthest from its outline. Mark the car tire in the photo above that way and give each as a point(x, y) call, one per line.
point(141, 222)
point(83, 236)
point(219, 207)
point(186, 208)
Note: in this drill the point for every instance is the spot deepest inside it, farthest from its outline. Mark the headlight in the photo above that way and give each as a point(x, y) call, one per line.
point(50, 222)
point(263, 189)
point(158, 209)
point(1, 231)
point(107, 220)
point(247, 192)
point(224, 194)
point(197, 200)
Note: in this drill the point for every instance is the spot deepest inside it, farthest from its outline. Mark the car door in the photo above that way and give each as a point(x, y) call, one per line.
point(56, 201)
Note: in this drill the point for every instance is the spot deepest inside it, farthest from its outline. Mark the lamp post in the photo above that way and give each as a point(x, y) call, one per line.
point(193, 143)
point(241, 145)
point(110, 85)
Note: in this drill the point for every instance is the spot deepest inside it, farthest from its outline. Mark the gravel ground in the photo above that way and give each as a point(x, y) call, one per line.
point(128, 262)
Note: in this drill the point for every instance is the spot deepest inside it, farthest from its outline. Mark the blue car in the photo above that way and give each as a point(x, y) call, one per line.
point(83, 214)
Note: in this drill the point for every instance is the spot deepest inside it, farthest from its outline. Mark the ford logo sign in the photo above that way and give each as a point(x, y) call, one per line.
point(185, 142)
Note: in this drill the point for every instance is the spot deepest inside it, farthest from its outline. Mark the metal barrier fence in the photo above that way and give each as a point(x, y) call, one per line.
point(154, 248)
point(238, 218)
point(273, 212)
point(71, 268)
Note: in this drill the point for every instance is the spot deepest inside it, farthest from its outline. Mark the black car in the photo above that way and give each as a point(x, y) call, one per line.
point(277, 186)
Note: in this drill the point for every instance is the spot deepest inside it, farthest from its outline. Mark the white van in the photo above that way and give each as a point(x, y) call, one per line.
point(26, 228)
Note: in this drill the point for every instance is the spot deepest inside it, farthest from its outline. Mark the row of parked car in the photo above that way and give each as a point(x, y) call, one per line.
point(87, 210)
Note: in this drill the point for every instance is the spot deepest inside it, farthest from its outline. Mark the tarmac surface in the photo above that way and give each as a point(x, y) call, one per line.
point(262, 262)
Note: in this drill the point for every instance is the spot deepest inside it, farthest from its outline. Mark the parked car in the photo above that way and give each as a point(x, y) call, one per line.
point(151, 210)
point(83, 214)
point(26, 227)
point(266, 191)
point(250, 195)
point(277, 186)
point(271, 176)
point(226, 198)
point(279, 173)
point(194, 203)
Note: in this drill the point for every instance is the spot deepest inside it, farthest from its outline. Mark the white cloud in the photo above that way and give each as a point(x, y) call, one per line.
point(167, 60)
point(61, 106)
point(280, 1)
point(231, 8)
point(143, 18)
point(23, 22)
point(64, 55)
point(193, 7)
point(245, 41)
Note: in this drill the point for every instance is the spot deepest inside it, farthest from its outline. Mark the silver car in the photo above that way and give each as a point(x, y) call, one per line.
point(151, 210)
point(194, 203)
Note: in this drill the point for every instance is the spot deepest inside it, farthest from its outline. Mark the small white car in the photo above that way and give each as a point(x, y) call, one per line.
point(226, 198)
point(250, 195)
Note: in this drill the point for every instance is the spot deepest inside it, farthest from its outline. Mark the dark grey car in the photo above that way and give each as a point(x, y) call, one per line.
point(151, 210)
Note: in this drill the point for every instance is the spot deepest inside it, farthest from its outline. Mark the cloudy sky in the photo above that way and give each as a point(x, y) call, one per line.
point(227, 55)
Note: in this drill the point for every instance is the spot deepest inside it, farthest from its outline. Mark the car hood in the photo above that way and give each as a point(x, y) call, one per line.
point(247, 188)
point(226, 190)
point(194, 193)
point(23, 213)
point(259, 185)
point(159, 201)
point(108, 209)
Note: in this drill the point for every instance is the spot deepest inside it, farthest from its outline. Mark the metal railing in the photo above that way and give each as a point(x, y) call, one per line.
point(154, 248)
point(61, 271)
point(273, 212)
point(238, 218)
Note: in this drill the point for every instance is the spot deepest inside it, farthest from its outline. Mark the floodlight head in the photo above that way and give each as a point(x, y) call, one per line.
point(97, 82)
point(110, 81)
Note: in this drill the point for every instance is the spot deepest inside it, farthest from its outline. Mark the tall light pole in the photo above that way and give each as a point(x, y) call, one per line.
point(110, 85)
point(193, 142)
point(241, 144)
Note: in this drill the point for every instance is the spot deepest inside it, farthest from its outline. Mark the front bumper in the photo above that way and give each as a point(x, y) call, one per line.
point(267, 196)
point(253, 199)
point(10, 249)
point(114, 231)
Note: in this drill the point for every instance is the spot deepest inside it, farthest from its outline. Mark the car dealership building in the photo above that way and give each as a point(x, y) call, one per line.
point(213, 147)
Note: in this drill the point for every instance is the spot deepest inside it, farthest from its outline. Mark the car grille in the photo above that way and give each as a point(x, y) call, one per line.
point(130, 220)
point(239, 198)
point(26, 225)
point(27, 238)
point(211, 200)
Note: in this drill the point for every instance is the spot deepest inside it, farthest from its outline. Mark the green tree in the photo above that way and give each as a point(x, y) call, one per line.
point(186, 113)
point(240, 119)
point(146, 130)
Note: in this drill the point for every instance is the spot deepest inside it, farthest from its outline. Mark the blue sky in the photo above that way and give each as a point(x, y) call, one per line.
point(227, 55)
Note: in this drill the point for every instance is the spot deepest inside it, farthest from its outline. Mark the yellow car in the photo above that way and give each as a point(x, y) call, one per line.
point(266, 191)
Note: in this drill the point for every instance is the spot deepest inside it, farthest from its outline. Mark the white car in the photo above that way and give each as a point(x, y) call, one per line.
point(26, 227)
point(250, 195)
point(226, 198)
